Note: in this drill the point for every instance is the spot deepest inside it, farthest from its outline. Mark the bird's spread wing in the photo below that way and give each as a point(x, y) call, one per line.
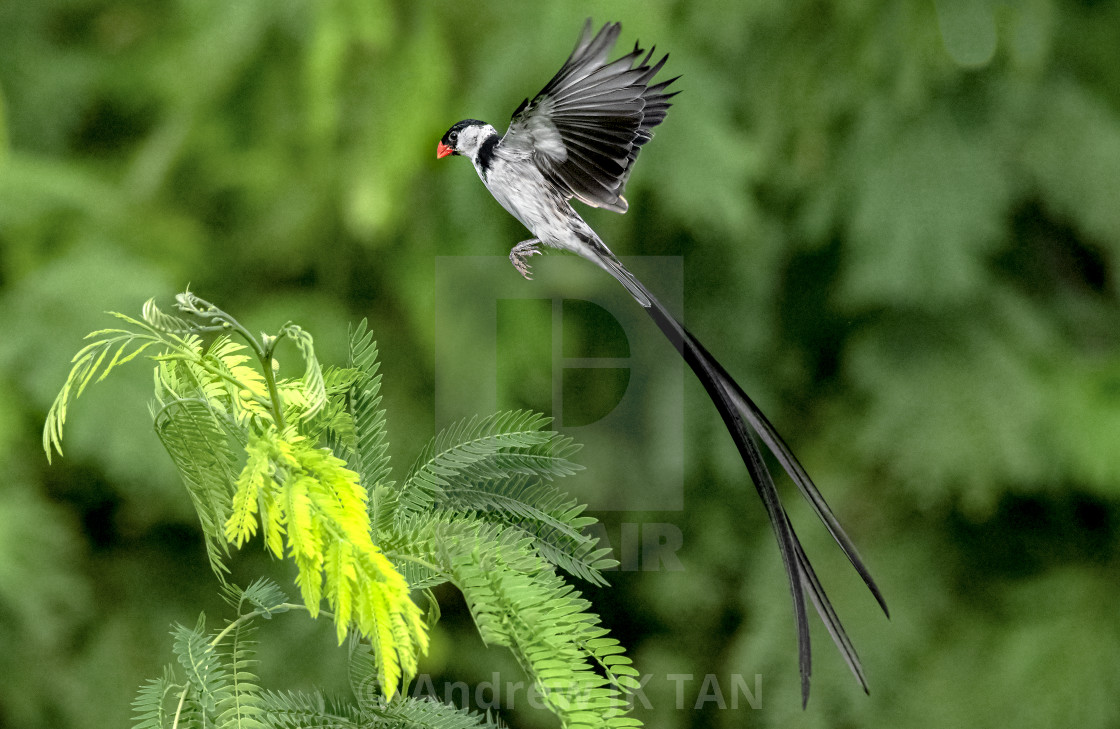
point(585, 128)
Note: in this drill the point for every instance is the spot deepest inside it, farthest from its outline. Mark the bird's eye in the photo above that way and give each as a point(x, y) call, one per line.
point(453, 137)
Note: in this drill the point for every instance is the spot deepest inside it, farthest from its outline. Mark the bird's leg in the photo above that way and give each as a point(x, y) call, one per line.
point(521, 253)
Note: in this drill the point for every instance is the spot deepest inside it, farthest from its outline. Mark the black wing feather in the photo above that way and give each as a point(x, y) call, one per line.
point(585, 128)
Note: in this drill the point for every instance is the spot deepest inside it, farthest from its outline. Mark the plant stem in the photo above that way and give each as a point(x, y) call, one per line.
point(282, 607)
point(192, 304)
point(179, 708)
point(417, 560)
point(265, 356)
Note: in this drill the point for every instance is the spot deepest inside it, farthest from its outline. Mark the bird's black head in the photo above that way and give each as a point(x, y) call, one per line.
point(464, 138)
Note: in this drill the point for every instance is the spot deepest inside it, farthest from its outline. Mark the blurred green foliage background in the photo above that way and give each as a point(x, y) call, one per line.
point(899, 224)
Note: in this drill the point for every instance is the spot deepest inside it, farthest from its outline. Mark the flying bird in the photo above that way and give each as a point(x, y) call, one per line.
point(578, 139)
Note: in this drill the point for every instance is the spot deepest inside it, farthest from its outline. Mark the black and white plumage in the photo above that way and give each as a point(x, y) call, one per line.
point(579, 138)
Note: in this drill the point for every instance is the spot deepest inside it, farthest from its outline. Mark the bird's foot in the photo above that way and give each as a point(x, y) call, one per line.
point(521, 254)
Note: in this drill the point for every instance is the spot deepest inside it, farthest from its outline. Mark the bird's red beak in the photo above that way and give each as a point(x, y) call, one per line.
point(442, 150)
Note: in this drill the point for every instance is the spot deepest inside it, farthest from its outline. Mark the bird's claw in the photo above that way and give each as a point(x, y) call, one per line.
point(520, 256)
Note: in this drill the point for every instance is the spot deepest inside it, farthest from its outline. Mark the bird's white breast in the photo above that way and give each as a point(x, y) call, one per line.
point(518, 185)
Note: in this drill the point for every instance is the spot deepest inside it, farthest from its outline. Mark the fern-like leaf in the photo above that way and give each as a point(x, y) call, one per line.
point(497, 446)
point(150, 707)
point(265, 595)
point(335, 424)
point(370, 459)
point(94, 361)
point(320, 506)
point(410, 543)
point(313, 388)
point(404, 712)
point(298, 710)
point(238, 702)
point(161, 321)
point(204, 671)
point(517, 601)
point(423, 713)
point(252, 488)
point(542, 512)
point(201, 451)
point(226, 375)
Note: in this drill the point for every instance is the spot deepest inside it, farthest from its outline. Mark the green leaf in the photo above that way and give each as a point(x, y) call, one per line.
point(496, 446)
point(239, 704)
point(314, 389)
point(517, 601)
point(420, 713)
point(90, 362)
point(205, 674)
point(370, 457)
point(266, 595)
point(150, 706)
point(296, 710)
point(542, 512)
point(201, 451)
